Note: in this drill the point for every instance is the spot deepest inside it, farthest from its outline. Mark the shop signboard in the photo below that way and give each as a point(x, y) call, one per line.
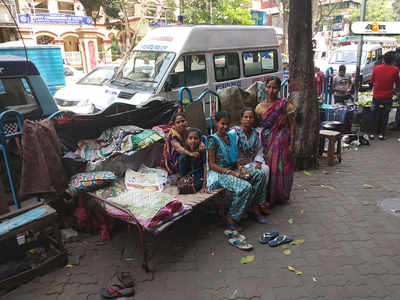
point(60, 19)
point(375, 27)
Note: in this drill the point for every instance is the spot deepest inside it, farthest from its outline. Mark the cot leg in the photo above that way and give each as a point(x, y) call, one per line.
point(143, 247)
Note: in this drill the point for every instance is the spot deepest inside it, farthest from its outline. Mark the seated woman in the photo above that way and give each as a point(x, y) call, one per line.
point(174, 144)
point(277, 138)
point(249, 145)
point(248, 185)
point(189, 165)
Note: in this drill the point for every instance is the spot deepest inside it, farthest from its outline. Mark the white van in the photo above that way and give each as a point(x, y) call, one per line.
point(199, 57)
point(347, 55)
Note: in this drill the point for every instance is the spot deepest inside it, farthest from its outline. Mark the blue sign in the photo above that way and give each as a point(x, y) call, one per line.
point(61, 19)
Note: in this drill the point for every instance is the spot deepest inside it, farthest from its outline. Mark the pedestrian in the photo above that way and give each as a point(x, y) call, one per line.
point(319, 81)
point(385, 79)
point(342, 85)
point(277, 137)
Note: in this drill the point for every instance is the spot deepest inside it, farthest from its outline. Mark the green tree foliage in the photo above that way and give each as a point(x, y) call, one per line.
point(376, 11)
point(224, 12)
point(396, 9)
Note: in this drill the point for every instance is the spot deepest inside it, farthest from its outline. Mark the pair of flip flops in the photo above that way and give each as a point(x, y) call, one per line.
point(238, 240)
point(125, 287)
point(274, 239)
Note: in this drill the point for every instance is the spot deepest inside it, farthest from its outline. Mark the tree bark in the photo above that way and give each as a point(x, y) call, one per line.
point(128, 35)
point(302, 84)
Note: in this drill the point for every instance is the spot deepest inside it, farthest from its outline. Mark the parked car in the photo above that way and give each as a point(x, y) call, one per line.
point(86, 96)
point(72, 75)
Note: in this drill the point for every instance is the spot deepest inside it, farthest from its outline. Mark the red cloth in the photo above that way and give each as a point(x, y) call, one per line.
point(383, 78)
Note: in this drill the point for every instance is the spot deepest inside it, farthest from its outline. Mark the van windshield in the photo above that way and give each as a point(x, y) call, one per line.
point(144, 69)
point(346, 57)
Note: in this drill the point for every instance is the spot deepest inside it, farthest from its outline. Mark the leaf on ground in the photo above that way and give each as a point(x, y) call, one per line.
point(299, 185)
point(314, 279)
point(69, 266)
point(327, 187)
point(296, 271)
point(287, 252)
point(368, 186)
point(284, 246)
point(302, 211)
point(297, 242)
point(291, 221)
point(247, 259)
point(307, 173)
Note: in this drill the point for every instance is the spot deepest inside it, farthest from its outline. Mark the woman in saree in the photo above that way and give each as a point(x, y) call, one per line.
point(247, 185)
point(277, 137)
point(249, 146)
point(174, 144)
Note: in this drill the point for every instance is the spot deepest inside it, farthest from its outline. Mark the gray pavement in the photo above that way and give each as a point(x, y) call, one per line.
point(351, 247)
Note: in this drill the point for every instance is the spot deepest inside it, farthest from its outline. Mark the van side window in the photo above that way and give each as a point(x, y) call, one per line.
point(16, 92)
point(190, 70)
point(226, 66)
point(260, 62)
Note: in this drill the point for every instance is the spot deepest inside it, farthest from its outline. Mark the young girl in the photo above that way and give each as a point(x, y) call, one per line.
point(248, 185)
point(174, 144)
point(194, 165)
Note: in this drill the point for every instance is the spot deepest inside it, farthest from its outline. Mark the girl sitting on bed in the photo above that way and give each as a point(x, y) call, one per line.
point(196, 166)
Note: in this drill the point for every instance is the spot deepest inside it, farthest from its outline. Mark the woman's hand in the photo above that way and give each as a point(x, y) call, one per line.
point(194, 154)
point(204, 189)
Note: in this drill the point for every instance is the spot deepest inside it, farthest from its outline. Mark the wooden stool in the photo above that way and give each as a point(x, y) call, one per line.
point(334, 138)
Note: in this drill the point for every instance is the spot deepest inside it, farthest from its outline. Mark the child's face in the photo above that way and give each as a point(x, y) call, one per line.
point(223, 125)
point(193, 140)
point(181, 124)
point(342, 72)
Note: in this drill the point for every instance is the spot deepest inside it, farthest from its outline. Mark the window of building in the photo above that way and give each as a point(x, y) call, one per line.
point(226, 66)
point(260, 62)
point(15, 93)
point(190, 70)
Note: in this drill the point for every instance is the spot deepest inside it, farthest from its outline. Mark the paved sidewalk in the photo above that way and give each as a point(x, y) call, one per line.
point(351, 247)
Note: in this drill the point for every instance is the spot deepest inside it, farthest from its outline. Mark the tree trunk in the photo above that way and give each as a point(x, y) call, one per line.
point(302, 84)
point(128, 34)
point(284, 10)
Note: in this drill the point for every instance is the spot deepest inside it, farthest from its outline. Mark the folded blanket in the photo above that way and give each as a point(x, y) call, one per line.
point(111, 141)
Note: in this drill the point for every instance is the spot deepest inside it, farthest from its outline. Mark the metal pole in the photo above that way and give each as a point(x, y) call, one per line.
point(358, 82)
point(33, 23)
point(211, 20)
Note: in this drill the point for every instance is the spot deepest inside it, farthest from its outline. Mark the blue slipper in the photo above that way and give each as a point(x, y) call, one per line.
point(260, 219)
point(268, 236)
point(282, 239)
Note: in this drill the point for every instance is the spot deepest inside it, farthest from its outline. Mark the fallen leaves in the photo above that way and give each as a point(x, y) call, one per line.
point(291, 221)
point(287, 252)
point(296, 271)
point(368, 186)
point(307, 173)
point(247, 259)
point(297, 242)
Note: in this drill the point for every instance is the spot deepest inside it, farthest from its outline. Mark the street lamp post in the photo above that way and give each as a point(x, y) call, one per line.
point(358, 82)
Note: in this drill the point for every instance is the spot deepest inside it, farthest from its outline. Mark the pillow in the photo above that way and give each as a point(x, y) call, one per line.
point(84, 182)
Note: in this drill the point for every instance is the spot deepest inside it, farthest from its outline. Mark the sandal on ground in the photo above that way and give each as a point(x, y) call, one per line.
point(268, 236)
point(233, 227)
point(115, 291)
point(125, 279)
point(240, 244)
point(282, 239)
point(233, 234)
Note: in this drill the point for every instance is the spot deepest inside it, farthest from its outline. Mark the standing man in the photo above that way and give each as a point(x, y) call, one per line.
point(342, 85)
point(385, 79)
